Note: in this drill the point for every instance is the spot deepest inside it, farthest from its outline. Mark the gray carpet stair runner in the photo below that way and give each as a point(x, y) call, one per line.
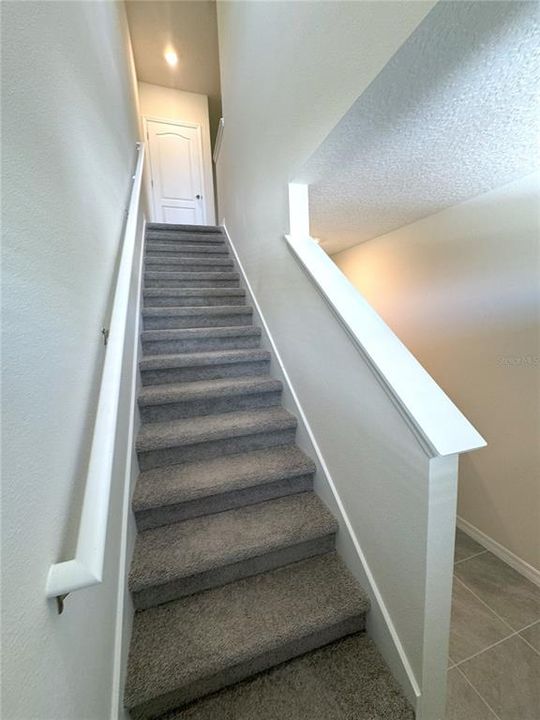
point(243, 609)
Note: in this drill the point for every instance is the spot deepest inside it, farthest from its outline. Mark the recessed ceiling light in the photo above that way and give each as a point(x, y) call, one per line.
point(171, 57)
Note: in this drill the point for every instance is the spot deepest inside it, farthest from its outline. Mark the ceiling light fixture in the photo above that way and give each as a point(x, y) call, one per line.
point(171, 57)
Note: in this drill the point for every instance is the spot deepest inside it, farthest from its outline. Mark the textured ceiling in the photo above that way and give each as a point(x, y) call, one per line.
point(190, 26)
point(453, 114)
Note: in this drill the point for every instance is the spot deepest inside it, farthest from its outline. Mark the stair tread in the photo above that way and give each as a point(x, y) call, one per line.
point(346, 680)
point(185, 641)
point(197, 248)
point(187, 431)
point(194, 292)
point(202, 359)
point(172, 552)
point(198, 310)
point(176, 484)
point(163, 259)
point(197, 333)
point(207, 389)
point(192, 229)
point(190, 275)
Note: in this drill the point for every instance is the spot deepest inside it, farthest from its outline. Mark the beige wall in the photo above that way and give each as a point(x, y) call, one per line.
point(461, 289)
point(169, 104)
point(68, 142)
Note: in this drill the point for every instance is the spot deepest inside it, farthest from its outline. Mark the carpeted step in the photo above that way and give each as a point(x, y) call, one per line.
point(193, 317)
point(169, 249)
point(188, 264)
point(173, 401)
point(188, 367)
point(179, 229)
point(169, 443)
point(191, 647)
point(200, 339)
point(179, 492)
point(346, 680)
point(166, 279)
point(176, 560)
point(193, 297)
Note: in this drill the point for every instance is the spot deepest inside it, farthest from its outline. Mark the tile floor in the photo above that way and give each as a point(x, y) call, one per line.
point(494, 665)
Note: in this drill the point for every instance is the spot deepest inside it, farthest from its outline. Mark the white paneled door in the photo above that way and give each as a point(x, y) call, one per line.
point(176, 172)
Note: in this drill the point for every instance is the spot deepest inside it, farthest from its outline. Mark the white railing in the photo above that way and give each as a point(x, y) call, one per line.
point(86, 568)
point(438, 423)
point(219, 139)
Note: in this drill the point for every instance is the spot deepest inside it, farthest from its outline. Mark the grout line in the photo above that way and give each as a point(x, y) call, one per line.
point(485, 603)
point(489, 647)
point(458, 562)
point(508, 637)
point(525, 639)
point(482, 698)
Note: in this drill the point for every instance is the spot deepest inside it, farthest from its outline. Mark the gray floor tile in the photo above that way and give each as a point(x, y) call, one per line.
point(474, 627)
point(465, 546)
point(462, 702)
point(514, 598)
point(532, 635)
point(508, 678)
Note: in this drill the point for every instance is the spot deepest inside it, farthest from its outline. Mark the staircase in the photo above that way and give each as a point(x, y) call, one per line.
point(234, 575)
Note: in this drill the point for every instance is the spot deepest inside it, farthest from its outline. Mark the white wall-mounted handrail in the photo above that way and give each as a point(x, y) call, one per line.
point(86, 568)
point(219, 139)
point(441, 427)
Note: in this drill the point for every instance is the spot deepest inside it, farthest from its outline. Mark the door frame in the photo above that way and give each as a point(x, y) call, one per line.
point(207, 209)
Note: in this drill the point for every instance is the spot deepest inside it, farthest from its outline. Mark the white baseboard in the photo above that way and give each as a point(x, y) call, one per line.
point(502, 552)
point(399, 663)
point(120, 651)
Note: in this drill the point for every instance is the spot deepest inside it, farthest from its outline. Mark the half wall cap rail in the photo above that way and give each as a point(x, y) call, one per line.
point(437, 423)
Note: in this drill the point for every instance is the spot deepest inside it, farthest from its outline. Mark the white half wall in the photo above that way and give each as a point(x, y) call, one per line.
point(170, 104)
point(69, 133)
point(461, 289)
point(282, 92)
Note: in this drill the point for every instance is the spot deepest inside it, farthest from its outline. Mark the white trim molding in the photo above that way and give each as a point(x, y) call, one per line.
point(502, 552)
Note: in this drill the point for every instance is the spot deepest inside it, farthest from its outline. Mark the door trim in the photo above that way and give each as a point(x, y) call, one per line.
point(206, 209)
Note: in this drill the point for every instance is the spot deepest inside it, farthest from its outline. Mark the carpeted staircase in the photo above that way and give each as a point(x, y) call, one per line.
point(243, 609)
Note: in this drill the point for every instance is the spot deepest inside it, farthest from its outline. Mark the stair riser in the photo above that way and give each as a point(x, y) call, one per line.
point(159, 347)
point(168, 514)
point(170, 322)
point(165, 260)
point(182, 696)
point(216, 406)
point(157, 595)
point(183, 249)
point(214, 283)
point(194, 301)
point(187, 265)
point(183, 238)
point(154, 244)
point(205, 372)
point(214, 448)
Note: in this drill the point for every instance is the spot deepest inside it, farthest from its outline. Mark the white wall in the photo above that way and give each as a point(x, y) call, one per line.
point(169, 104)
point(282, 92)
point(69, 133)
point(461, 289)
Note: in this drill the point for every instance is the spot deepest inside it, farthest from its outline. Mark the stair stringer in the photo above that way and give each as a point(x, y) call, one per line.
point(379, 625)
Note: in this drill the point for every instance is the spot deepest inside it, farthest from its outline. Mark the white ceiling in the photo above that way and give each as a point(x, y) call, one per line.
point(453, 114)
point(190, 27)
